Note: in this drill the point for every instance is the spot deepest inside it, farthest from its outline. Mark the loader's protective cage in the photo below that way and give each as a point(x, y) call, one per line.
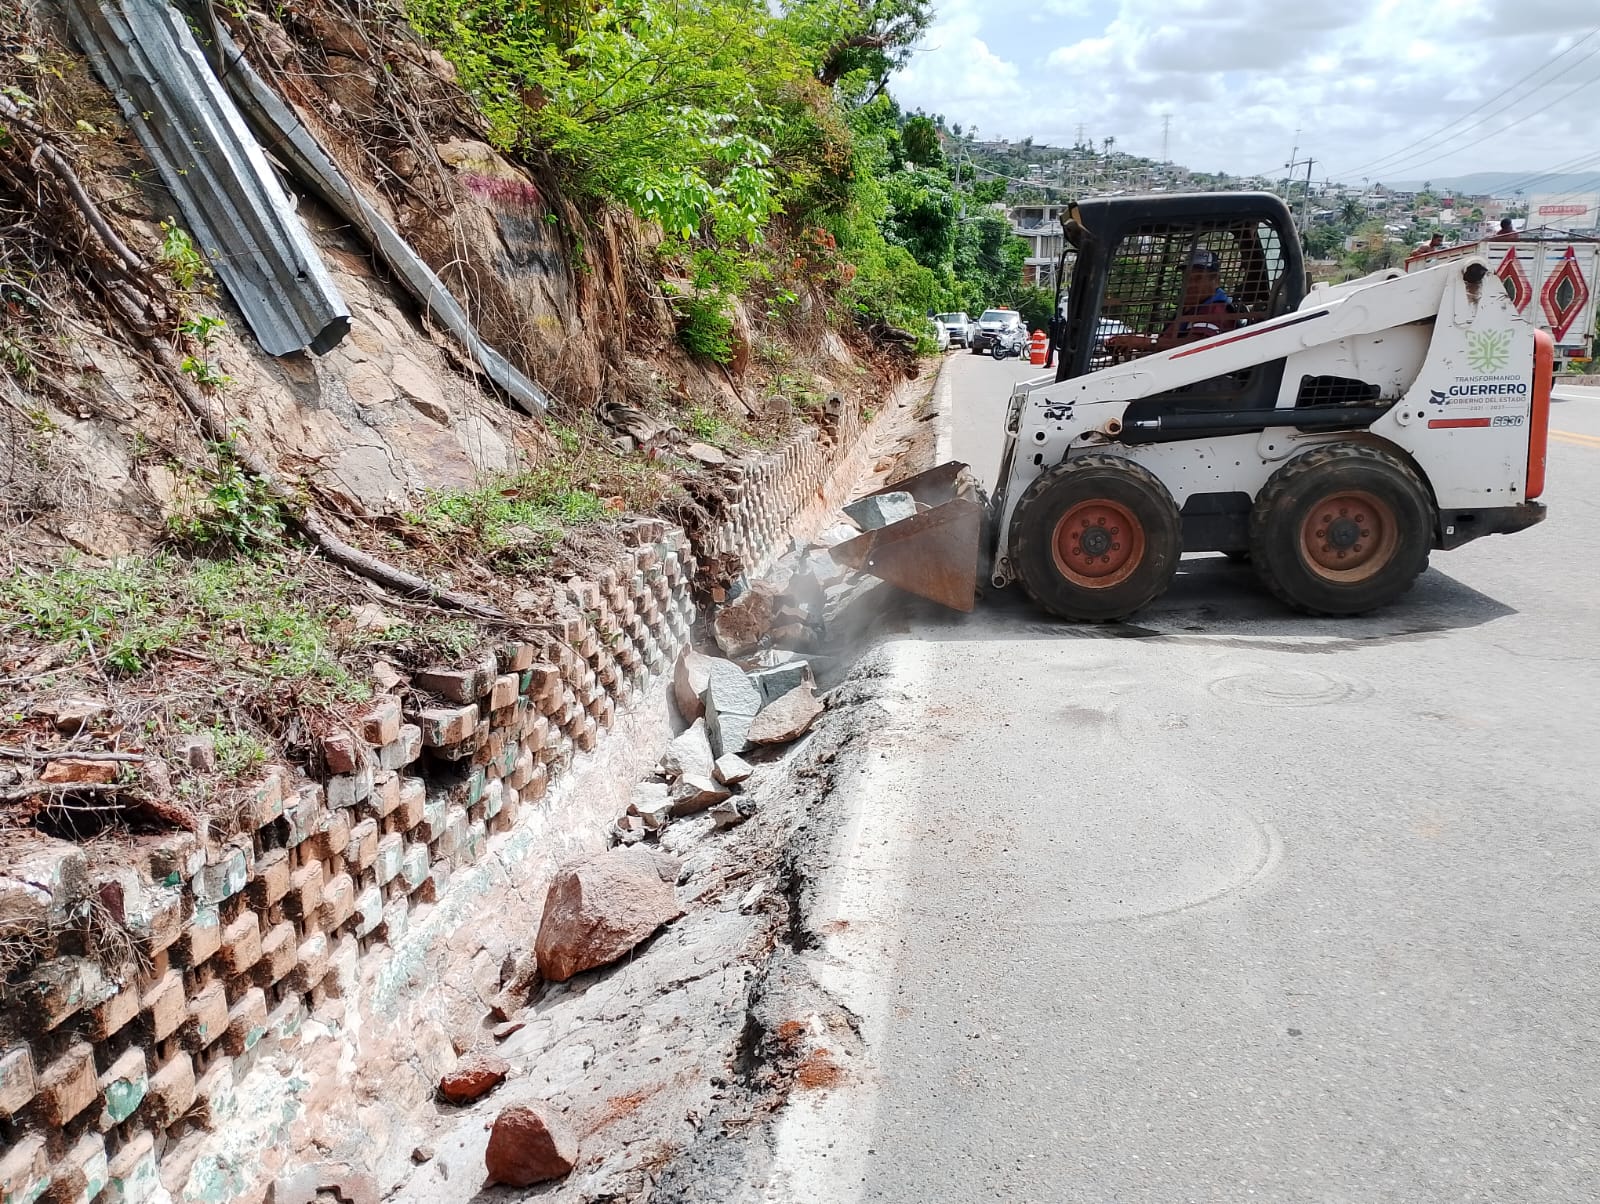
point(1153, 273)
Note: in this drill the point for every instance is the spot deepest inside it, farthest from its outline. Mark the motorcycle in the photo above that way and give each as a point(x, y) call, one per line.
point(1008, 343)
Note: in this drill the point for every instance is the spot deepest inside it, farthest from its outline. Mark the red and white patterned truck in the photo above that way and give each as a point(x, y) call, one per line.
point(1552, 281)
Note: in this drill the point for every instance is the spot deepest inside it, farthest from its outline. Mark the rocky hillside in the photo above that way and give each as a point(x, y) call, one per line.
point(206, 538)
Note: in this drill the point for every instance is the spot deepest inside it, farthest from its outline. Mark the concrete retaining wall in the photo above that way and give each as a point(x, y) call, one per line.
point(311, 963)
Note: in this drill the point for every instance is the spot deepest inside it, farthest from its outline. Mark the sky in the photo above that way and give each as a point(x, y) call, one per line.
point(1362, 80)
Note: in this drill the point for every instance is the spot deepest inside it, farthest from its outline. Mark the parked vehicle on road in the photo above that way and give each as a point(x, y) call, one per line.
point(1012, 340)
point(990, 324)
point(959, 327)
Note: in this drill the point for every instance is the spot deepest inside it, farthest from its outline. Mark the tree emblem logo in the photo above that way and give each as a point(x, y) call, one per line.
point(1488, 350)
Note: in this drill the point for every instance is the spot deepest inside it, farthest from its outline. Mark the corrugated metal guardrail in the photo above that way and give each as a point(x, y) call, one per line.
point(240, 215)
point(289, 138)
point(238, 211)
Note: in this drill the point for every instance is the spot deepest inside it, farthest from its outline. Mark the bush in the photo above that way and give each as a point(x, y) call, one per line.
point(705, 327)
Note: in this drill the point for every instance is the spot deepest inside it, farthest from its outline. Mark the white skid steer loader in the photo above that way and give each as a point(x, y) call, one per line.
point(1333, 438)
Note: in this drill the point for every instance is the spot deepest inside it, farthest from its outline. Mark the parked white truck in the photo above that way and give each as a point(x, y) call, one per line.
point(1551, 279)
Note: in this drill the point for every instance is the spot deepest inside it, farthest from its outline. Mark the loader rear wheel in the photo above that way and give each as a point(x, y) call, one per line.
point(1341, 530)
point(1095, 539)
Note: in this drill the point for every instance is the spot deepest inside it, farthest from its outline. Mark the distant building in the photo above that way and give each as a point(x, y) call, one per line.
point(1039, 225)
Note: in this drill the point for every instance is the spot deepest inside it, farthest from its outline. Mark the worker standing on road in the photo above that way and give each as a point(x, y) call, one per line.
point(1058, 332)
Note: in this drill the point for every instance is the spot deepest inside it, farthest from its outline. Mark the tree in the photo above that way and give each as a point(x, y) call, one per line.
point(1351, 211)
point(921, 216)
point(919, 140)
point(874, 39)
point(988, 192)
point(988, 260)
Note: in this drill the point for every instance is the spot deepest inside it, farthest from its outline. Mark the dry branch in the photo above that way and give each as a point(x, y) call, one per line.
point(39, 754)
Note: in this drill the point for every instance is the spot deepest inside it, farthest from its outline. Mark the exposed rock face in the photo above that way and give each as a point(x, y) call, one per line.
point(527, 1147)
point(600, 908)
point(474, 1077)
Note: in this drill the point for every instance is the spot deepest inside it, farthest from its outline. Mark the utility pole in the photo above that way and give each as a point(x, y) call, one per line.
point(1305, 201)
point(1288, 168)
point(961, 205)
point(1166, 133)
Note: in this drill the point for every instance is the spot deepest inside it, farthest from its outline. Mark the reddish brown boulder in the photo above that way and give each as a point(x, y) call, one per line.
point(473, 1078)
point(600, 908)
point(69, 771)
point(740, 625)
point(526, 1147)
point(789, 718)
point(689, 679)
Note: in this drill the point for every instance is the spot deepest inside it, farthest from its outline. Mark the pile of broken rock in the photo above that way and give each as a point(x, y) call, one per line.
point(729, 712)
point(761, 692)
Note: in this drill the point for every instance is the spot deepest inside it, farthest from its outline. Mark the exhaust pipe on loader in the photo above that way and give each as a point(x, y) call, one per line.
point(934, 554)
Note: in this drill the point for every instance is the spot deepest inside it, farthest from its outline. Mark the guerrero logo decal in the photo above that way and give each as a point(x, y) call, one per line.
point(1488, 350)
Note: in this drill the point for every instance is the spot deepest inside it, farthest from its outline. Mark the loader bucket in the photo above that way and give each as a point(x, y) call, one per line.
point(933, 554)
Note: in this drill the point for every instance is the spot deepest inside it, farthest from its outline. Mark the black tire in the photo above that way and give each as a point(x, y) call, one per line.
point(1078, 582)
point(1341, 530)
point(998, 352)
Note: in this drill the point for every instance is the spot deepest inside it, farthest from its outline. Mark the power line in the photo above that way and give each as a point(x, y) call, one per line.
point(1562, 99)
point(1383, 162)
point(1522, 183)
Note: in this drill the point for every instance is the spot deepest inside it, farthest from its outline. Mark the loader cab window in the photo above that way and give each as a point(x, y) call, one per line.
point(1172, 284)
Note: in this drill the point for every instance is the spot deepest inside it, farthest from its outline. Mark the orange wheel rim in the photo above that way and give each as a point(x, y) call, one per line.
point(1349, 537)
point(1098, 544)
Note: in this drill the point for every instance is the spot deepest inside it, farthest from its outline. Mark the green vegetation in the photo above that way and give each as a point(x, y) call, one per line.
point(202, 328)
point(527, 514)
point(518, 521)
point(706, 328)
point(181, 258)
point(712, 428)
point(228, 509)
point(204, 372)
point(758, 137)
point(243, 616)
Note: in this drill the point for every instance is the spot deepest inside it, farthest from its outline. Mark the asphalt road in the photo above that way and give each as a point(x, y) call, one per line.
point(1228, 904)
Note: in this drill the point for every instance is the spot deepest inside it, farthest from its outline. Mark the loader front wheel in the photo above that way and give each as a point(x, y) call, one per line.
point(1095, 539)
point(1341, 530)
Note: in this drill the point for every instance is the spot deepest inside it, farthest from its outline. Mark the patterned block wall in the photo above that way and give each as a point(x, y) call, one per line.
point(110, 1084)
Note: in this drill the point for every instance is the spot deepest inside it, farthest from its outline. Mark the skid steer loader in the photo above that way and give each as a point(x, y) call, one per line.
point(1206, 402)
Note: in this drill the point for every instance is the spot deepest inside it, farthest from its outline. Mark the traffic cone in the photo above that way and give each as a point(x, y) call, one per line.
point(1036, 352)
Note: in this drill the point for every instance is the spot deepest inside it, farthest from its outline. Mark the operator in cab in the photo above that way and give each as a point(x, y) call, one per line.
point(1206, 310)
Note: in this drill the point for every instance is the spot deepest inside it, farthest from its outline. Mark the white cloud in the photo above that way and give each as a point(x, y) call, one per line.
point(956, 65)
point(1360, 80)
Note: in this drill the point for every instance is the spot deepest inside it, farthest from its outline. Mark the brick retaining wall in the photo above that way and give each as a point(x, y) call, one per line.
point(300, 917)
